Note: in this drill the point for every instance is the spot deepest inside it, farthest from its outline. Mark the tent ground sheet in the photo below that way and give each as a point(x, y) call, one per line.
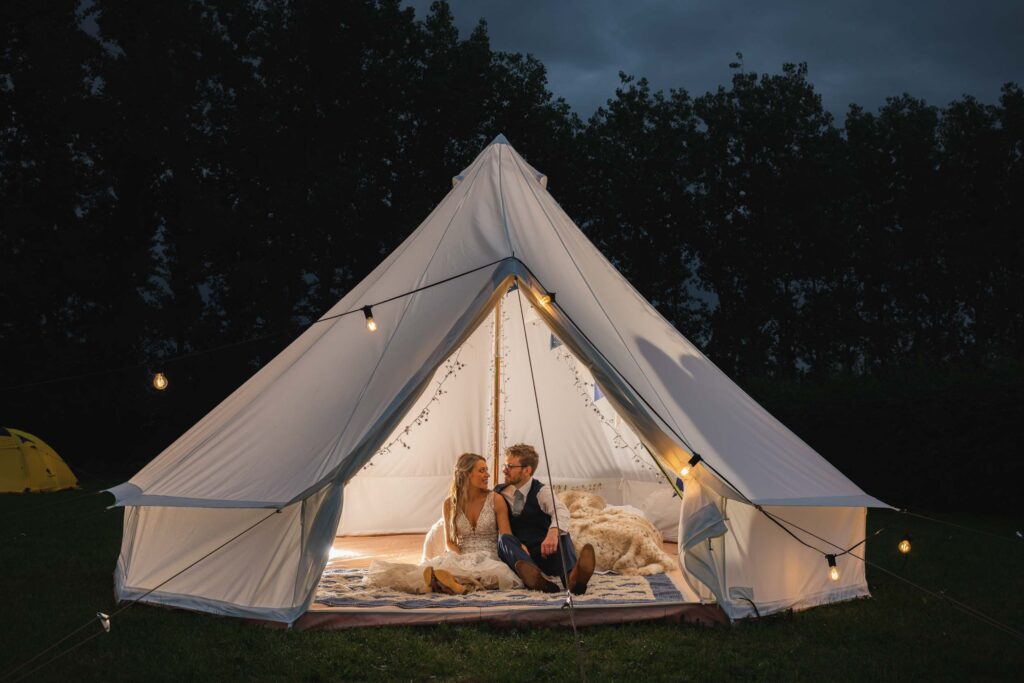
point(342, 600)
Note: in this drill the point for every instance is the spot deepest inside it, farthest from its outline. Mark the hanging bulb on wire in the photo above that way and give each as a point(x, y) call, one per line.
point(159, 381)
point(833, 570)
point(371, 324)
point(904, 545)
point(547, 298)
point(688, 467)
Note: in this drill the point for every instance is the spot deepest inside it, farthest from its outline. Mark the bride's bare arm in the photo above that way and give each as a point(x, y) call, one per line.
point(501, 513)
point(454, 547)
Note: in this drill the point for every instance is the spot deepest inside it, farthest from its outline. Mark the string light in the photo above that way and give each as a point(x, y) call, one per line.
point(371, 324)
point(159, 381)
point(688, 467)
point(548, 298)
point(833, 570)
point(904, 545)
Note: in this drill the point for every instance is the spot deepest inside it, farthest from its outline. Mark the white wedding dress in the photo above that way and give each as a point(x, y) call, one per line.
point(476, 567)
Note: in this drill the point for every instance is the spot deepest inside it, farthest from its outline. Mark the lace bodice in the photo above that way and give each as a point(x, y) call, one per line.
point(484, 538)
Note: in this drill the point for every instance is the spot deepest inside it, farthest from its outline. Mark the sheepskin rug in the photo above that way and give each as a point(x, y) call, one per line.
point(623, 542)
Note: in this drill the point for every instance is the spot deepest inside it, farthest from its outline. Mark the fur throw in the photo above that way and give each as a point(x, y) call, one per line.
point(623, 542)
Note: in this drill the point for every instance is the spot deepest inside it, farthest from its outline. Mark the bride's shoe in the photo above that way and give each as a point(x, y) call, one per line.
point(444, 582)
point(428, 579)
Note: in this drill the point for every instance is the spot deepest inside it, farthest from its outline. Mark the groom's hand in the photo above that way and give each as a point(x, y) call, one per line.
point(550, 543)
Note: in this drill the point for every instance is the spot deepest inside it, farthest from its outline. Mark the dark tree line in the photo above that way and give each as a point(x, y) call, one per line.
point(181, 176)
point(897, 239)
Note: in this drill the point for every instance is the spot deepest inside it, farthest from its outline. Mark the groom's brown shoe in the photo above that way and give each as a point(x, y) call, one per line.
point(580, 575)
point(533, 578)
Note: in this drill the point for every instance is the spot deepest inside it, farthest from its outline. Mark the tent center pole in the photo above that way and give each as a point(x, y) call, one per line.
point(497, 388)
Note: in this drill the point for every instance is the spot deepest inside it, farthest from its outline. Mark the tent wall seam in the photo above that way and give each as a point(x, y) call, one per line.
point(501, 197)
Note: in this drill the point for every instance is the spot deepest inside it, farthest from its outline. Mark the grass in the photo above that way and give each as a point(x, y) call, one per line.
point(56, 566)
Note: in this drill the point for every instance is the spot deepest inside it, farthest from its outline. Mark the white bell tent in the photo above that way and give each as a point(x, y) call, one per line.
point(349, 431)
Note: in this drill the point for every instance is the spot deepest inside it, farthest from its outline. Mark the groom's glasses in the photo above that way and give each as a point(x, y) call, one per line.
point(511, 467)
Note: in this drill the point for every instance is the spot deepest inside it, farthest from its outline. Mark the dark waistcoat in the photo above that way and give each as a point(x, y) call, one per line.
point(531, 525)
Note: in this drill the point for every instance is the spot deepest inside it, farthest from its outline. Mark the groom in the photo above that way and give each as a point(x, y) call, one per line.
point(540, 523)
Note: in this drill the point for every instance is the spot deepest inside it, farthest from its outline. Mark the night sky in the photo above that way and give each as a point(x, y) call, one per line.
point(858, 52)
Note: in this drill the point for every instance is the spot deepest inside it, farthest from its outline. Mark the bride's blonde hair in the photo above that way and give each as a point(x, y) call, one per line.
point(459, 491)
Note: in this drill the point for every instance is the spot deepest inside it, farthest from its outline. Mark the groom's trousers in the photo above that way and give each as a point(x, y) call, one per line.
point(510, 550)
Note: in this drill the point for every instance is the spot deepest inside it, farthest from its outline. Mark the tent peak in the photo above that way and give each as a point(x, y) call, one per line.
point(489, 153)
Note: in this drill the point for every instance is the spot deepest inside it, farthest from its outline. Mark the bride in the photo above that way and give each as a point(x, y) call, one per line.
point(473, 517)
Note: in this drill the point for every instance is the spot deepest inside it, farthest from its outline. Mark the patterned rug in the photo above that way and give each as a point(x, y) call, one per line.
point(344, 588)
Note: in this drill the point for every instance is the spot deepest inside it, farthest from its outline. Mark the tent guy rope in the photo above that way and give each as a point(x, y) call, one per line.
point(1010, 539)
point(107, 618)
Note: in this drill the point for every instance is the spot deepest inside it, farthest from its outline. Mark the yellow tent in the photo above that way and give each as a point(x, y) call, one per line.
point(28, 464)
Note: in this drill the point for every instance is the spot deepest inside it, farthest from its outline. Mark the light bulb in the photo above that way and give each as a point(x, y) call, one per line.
point(159, 381)
point(687, 469)
point(371, 324)
point(546, 299)
point(833, 570)
point(904, 546)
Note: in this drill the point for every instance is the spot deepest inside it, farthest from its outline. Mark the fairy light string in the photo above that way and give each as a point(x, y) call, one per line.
point(452, 367)
point(586, 388)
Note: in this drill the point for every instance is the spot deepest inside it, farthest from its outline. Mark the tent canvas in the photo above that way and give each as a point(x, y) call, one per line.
point(241, 509)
